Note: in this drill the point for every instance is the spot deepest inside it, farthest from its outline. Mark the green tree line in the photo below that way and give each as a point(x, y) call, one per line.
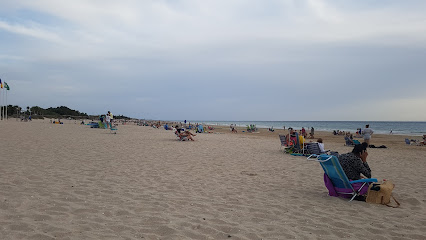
point(15, 110)
point(62, 111)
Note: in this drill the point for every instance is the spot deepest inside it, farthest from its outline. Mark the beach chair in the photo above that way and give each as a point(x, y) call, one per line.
point(200, 129)
point(297, 147)
point(283, 140)
point(338, 183)
point(113, 129)
point(314, 150)
point(294, 146)
point(251, 128)
point(93, 125)
point(349, 142)
point(180, 138)
point(412, 142)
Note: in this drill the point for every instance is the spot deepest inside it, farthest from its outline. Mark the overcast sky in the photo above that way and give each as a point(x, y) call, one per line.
point(218, 59)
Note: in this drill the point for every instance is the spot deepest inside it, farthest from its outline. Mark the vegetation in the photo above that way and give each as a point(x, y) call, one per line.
point(61, 111)
point(57, 112)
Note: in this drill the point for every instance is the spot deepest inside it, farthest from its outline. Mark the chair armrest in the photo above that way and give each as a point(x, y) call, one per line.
point(364, 180)
point(316, 157)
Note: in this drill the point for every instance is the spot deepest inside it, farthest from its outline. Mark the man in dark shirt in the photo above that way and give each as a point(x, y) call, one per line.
point(355, 163)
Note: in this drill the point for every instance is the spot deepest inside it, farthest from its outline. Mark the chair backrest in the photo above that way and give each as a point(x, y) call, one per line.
point(297, 143)
point(313, 148)
point(283, 139)
point(334, 171)
point(180, 137)
point(356, 142)
point(200, 128)
point(348, 141)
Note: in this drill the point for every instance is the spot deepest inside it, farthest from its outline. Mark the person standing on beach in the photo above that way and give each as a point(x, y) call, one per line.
point(367, 132)
point(111, 117)
point(108, 120)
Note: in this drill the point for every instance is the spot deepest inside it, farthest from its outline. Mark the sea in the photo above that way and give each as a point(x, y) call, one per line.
point(385, 127)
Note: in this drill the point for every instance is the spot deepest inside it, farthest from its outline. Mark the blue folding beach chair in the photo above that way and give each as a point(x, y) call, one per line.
point(113, 129)
point(200, 129)
point(340, 181)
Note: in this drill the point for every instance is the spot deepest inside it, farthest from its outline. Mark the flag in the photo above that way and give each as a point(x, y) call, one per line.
point(1, 84)
point(6, 86)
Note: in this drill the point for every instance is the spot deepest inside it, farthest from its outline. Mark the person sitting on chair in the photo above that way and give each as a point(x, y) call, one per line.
point(233, 130)
point(321, 145)
point(355, 163)
point(183, 134)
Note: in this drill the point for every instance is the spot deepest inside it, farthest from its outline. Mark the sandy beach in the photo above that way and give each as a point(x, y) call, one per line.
point(73, 182)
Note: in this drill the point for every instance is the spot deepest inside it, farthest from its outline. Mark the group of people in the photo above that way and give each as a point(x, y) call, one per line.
point(338, 132)
point(420, 143)
point(56, 122)
point(304, 133)
point(107, 121)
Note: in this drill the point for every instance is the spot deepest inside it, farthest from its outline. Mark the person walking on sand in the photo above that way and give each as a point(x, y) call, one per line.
point(367, 132)
point(108, 120)
point(111, 117)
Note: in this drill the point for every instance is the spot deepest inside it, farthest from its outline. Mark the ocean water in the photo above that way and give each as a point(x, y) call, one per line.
point(400, 128)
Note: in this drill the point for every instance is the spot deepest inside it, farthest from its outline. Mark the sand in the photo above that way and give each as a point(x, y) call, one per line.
point(72, 182)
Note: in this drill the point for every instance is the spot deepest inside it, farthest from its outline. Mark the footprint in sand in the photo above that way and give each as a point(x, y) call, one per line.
point(248, 173)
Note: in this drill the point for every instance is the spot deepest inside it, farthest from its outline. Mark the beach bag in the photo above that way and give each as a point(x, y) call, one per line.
point(381, 193)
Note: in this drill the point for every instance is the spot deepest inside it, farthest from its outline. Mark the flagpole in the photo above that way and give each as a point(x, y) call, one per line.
point(1, 104)
point(4, 101)
point(6, 104)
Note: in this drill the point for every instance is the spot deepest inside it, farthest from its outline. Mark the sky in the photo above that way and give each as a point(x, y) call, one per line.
point(275, 60)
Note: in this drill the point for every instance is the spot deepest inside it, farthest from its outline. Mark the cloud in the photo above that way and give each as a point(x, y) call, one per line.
point(32, 31)
point(216, 53)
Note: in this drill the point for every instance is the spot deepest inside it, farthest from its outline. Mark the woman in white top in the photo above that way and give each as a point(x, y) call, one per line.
point(367, 132)
point(108, 121)
point(321, 145)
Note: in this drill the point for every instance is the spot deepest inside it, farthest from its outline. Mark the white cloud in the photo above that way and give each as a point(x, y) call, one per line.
point(135, 28)
point(32, 31)
point(158, 46)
